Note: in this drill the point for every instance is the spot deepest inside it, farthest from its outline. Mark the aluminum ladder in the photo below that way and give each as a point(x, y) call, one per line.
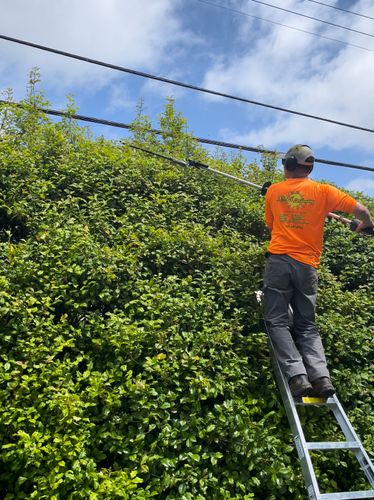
point(303, 447)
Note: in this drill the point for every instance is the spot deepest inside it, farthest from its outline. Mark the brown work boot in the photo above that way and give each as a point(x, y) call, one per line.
point(322, 387)
point(300, 386)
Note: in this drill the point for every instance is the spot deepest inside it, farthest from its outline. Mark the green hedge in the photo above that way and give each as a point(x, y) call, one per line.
point(133, 360)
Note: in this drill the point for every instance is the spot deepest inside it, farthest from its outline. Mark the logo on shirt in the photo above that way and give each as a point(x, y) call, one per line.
point(293, 221)
point(295, 199)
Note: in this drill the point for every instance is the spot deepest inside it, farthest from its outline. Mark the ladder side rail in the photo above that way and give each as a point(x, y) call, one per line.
point(296, 428)
point(351, 435)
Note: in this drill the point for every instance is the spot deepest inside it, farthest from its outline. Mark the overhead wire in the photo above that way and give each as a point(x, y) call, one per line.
point(224, 7)
point(213, 142)
point(182, 84)
point(313, 18)
point(341, 9)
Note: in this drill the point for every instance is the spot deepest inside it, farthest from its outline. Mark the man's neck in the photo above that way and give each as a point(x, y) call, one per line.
point(294, 175)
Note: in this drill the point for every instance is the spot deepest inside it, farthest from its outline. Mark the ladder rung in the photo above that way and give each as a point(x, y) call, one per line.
point(347, 495)
point(313, 401)
point(331, 445)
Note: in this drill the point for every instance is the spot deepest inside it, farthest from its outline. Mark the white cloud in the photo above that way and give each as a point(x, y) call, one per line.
point(303, 73)
point(119, 98)
point(134, 33)
point(363, 185)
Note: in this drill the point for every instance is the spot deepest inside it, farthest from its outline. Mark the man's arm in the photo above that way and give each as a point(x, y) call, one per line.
point(269, 218)
point(363, 214)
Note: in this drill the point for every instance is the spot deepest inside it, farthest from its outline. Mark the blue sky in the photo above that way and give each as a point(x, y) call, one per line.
point(208, 46)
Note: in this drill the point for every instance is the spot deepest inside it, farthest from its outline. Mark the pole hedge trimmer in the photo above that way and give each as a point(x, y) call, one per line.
point(352, 224)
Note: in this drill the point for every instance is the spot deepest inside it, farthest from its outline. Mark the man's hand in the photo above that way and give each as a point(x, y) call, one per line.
point(362, 226)
point(363, 214)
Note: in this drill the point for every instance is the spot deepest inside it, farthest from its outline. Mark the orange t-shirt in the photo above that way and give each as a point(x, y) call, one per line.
point(295, 211)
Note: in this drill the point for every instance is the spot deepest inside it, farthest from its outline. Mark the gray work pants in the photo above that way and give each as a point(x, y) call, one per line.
point(299, 350)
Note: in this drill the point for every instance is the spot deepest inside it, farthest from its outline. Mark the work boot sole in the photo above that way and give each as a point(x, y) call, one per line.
point(323, 394)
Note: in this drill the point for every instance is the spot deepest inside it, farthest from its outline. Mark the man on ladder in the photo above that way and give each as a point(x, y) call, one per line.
point(295, 211)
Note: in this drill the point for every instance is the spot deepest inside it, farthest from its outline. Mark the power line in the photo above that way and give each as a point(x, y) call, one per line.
point(181, 84)
point(260, 150)
point(342, 10)
point(213, 142)
point(313, 18)
point(207, 2)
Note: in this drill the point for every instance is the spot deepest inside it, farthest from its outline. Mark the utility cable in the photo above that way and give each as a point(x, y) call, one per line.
point(313, 18)
point(342, 10)
point(213, 142)
point(260, 150)
point(181, 84)
point(207, 2)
